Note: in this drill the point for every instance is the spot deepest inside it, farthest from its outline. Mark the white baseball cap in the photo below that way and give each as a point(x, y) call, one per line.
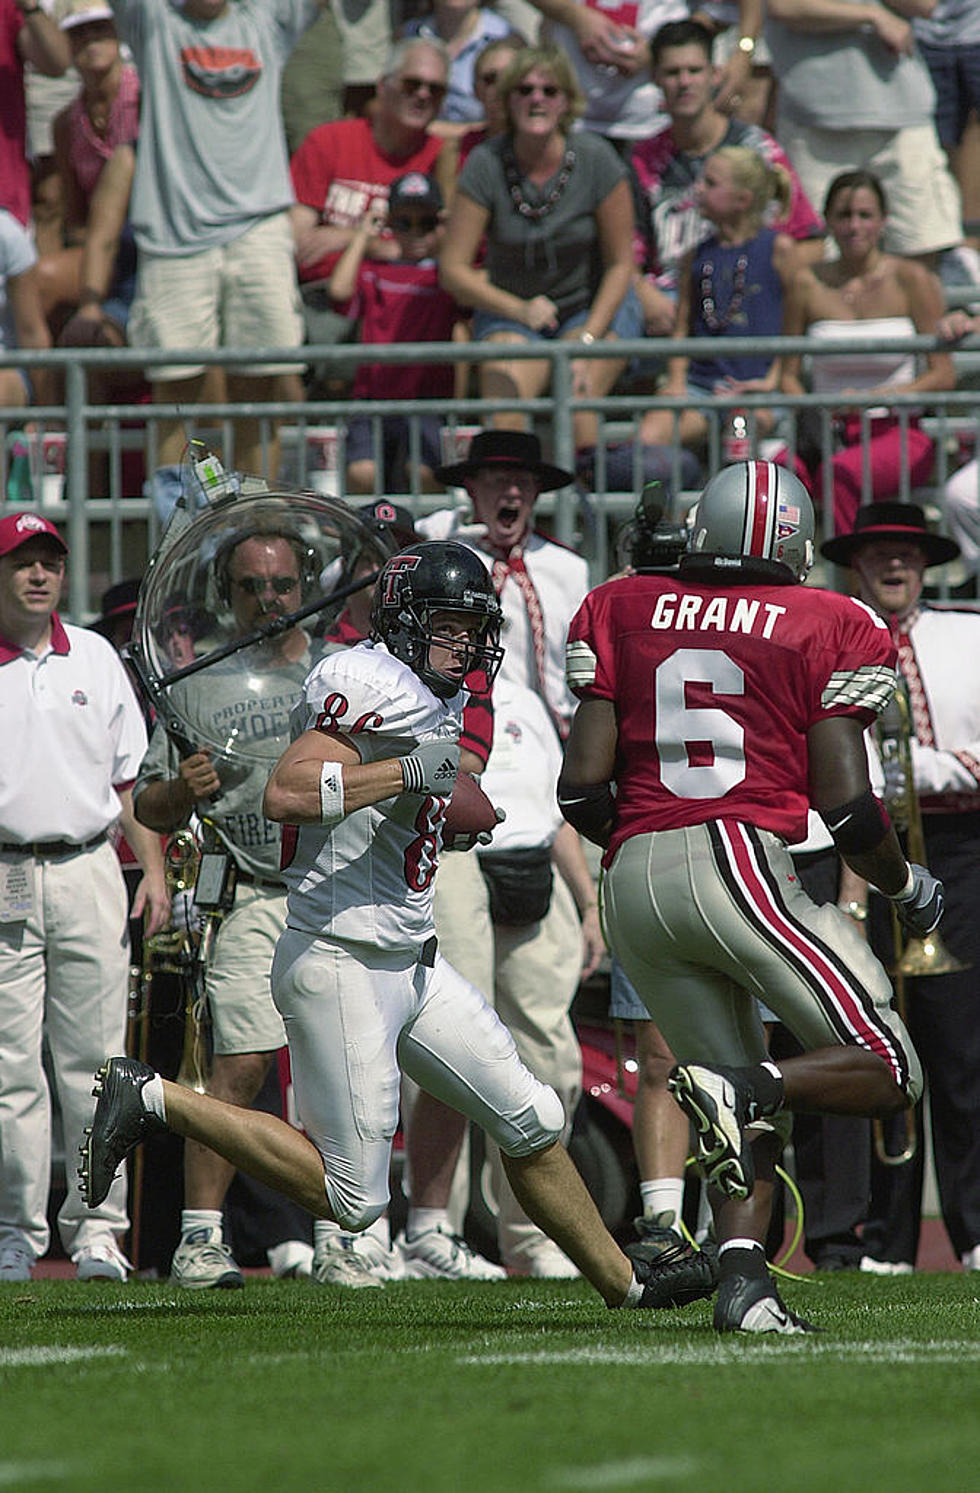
point(83, 13)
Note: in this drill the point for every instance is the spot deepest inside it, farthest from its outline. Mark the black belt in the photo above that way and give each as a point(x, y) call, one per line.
point(250, 880)
point(50, 847)
point(427, 955)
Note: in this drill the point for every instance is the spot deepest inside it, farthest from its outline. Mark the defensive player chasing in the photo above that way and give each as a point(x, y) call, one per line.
point(357, 978)
point(716, 704)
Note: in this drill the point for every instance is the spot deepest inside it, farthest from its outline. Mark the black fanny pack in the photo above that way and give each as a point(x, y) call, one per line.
point(520, 884)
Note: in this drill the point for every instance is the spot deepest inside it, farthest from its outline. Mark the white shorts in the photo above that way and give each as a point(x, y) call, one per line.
point(354, 1024)
point(243, 294)
point(924, 209)
point(243, 1016)
point(709, 920)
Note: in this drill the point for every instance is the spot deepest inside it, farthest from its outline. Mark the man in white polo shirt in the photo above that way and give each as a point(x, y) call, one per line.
point(73, 740)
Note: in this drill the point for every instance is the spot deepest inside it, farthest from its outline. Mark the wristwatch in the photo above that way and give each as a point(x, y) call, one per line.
point(855, 910)
point(746, 44)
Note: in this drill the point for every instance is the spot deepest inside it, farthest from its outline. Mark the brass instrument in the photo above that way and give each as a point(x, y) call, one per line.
point(915, 957)
point(191, 947)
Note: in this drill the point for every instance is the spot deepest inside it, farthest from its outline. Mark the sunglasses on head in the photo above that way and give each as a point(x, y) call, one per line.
point(256, 585)
point(407, 224)
point(550, 90)
point(412, 86)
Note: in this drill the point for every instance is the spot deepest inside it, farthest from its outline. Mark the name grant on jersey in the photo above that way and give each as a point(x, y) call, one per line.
point(693, 613)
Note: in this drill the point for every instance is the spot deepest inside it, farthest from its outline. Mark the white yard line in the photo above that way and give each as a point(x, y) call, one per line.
point(636, 1472)
point(738, 1351)
point(29, 1358)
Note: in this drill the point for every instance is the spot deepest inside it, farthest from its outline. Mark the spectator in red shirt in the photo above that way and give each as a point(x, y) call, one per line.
point(342, 168)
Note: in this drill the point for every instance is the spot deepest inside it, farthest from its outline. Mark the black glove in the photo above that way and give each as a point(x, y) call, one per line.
point(431, 768)
point(921, 908)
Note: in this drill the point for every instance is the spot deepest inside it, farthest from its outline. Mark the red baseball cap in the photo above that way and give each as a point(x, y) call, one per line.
point(17, 528)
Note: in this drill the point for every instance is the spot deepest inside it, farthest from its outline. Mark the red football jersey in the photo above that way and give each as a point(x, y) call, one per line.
point(715, 688)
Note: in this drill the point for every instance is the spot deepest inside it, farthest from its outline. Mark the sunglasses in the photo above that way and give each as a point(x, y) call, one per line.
point(412, 86)
point(550, 90)
point(414, 225)
point(256, 585)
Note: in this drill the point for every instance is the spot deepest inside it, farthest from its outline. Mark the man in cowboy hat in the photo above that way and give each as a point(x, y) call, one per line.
point(888, 553)
point(540, 583)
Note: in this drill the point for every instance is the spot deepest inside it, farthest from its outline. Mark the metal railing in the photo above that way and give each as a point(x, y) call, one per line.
point(112, 528)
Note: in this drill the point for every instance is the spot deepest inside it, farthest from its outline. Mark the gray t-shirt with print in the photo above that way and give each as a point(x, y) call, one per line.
point(558, 256)
point(247, 714)
point(212, 156)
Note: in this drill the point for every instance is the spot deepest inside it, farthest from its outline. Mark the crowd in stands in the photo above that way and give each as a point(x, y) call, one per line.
point(211, 210)
point(266, 174)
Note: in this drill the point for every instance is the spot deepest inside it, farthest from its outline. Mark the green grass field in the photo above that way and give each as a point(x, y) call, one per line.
point(435, 1387)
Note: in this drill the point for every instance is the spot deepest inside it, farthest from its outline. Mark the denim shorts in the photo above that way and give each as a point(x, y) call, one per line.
point(395, 440)
point(627, 324)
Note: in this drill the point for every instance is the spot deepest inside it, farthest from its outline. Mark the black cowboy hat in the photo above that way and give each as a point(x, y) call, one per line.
point(119, 601)
point(505, 448)
point(890, 521)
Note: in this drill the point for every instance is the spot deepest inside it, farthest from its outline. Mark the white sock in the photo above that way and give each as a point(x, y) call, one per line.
point(663, 1195)
point(740, 1244)
point(422, 1220)
point(152, 1096)
point(324, 1229)
point(201, 1218)
point(634, 1295)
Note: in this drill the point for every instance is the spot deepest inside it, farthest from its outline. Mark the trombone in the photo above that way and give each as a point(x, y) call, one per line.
point(915, 957)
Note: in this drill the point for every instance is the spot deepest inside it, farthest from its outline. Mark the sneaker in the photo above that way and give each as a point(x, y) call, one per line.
point(547, 1262)
point(202, 1261)
point(674, 1274)
point(871, 1266)
point(101, 1260)
point(354, 1260)
point(291, 1260)
point(16, 1263)
point(751, 1303)
point(658, 1231)
point(719, 1103)
point(120, 1123)
point(439, 1254)
point(970, 1260)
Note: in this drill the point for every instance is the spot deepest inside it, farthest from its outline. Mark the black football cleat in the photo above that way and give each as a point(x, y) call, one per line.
point(675, 1274)
point(120, 1123)
point(751, 1303)
point(719, 1103)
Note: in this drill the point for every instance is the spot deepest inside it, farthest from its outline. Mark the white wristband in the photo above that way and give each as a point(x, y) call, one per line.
point(907, 889)
point(331, 793)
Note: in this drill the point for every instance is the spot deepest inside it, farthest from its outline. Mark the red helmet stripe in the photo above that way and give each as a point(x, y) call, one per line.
point(760, 507)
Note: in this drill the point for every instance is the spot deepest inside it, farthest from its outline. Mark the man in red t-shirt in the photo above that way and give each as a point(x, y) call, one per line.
point(343, 167)
point(723, 700)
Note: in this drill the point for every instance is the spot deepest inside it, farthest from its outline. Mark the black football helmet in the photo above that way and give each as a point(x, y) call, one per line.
point(436, 576)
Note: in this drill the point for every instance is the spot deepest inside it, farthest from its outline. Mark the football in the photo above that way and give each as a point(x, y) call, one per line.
point(470, 812)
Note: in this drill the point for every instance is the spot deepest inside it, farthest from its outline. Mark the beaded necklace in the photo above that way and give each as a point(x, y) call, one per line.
point(534, 213)
point(713, 322)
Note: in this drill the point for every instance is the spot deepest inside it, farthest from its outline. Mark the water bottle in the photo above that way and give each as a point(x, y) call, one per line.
point(736, 445)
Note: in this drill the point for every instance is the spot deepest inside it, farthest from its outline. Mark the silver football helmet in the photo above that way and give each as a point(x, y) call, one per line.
point(756, 509)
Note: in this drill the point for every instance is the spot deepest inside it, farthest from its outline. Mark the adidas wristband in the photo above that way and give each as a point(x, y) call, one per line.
point(331, 794)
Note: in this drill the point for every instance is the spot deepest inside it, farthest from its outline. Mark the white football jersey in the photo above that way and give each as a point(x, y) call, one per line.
point(369, 880)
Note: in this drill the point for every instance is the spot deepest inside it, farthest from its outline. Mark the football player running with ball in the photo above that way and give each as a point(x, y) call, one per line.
point(720, 702)
point(364, 994)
